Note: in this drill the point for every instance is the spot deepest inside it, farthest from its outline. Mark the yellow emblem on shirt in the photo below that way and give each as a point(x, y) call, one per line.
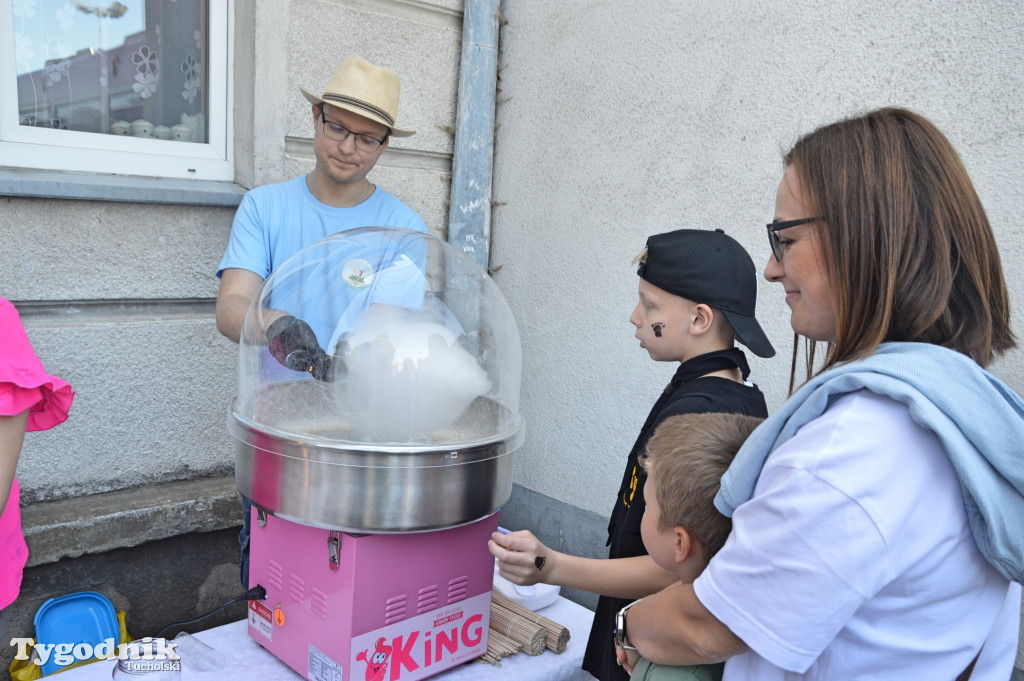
point(627, 497)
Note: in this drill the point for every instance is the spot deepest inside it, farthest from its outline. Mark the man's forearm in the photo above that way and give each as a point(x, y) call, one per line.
point(237, 288)
point(230, 316)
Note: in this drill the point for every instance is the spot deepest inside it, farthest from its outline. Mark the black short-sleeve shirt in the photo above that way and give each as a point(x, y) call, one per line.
point(689, 392)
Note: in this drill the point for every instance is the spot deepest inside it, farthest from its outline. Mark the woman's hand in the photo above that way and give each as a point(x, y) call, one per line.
point(673, 627)
point(627, 659)
point(522, 558)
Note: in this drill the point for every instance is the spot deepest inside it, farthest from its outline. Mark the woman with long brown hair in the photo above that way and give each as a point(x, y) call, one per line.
point(878, 516)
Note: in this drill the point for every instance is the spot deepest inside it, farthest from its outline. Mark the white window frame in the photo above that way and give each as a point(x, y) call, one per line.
point(68, 150)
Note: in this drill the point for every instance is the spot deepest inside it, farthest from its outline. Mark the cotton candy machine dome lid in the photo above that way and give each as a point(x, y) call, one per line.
point(417, 333)
point(421, 398)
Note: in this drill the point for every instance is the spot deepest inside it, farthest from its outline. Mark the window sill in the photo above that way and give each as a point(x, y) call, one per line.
point(89, 187)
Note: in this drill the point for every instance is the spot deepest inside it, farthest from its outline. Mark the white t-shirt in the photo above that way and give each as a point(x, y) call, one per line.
point(854, 560)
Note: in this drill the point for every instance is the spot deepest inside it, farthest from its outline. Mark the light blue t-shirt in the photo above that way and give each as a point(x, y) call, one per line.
point(276, 221)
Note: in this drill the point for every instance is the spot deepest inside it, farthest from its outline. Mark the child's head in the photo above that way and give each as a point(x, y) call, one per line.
point(686, 458)
point(698, 290)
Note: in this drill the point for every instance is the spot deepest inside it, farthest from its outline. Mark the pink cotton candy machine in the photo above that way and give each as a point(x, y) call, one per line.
point(377, 411)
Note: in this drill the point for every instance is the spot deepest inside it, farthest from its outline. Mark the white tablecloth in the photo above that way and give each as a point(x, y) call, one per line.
point(245, 660)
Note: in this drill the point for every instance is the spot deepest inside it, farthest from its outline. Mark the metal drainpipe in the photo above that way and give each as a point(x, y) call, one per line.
point(469, 217)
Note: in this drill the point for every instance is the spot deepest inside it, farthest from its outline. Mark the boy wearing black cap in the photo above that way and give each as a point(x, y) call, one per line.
point(697, 290)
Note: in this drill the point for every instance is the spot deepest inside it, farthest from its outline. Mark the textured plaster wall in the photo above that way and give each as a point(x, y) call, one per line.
point(620, 120)
point(112, 299)
point(91, 250)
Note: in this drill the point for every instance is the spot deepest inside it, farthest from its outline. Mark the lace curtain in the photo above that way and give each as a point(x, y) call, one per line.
point(134, 68)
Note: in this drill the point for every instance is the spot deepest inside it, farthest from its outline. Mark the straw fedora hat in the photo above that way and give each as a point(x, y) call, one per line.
point(362, 88)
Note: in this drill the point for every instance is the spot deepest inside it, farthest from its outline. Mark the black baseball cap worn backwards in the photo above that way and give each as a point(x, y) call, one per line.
point(709, 267)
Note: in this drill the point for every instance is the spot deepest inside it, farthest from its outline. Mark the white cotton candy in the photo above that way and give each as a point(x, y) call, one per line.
point(407, 378)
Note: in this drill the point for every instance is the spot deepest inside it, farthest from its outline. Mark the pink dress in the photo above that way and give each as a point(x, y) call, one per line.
point(24, 384)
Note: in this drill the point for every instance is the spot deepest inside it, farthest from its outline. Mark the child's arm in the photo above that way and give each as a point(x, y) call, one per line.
point(12, 436)
point(524, 560)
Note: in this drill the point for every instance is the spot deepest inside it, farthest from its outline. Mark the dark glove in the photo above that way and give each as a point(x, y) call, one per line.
point(294, 345)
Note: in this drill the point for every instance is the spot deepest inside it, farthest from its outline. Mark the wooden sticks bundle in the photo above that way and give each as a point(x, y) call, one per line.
point(499, 646)
point(521, 629)
point(557, 636)
point(514, 628)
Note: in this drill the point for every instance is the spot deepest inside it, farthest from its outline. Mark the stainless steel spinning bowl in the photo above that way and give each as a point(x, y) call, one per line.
point(323, 480)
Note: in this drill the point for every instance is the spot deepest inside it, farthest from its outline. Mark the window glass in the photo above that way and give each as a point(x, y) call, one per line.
point(123, 87)
point(133, 68)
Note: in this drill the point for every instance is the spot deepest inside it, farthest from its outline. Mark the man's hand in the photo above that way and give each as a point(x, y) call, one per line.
point(292, 343)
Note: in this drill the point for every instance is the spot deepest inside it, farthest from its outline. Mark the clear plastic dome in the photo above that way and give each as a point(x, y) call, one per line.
point(384, 336)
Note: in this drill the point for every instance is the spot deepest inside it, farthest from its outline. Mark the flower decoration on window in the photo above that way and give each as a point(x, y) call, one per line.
point(191, 70)
point(148, 65)
point(55, 72)
point(23, 50)
point(145, 59)
point(24, 9)
point(145, 85)
point(56, 50)
point(65, 17)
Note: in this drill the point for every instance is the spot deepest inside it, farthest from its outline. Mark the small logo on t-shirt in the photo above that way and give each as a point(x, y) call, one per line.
point(627, 496)
point(357, 273)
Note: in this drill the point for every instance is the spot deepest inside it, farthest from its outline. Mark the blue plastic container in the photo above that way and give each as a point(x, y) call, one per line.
point(83, 617)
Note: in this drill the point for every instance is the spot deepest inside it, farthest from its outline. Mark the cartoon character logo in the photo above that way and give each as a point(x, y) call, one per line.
point(376, 664)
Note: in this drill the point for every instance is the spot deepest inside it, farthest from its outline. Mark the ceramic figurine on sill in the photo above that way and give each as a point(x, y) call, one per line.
point(142, 128)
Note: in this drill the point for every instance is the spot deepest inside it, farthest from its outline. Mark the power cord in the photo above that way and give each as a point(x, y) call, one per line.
point(257, 593)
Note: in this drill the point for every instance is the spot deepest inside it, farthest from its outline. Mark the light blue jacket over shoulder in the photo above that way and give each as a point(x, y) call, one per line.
point(977, 418)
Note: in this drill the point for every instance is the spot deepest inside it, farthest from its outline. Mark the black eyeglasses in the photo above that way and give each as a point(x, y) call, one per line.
point(339, 133)
point(775, 227)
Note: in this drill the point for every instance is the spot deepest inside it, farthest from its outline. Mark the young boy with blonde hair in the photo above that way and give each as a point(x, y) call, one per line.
point(681, 528)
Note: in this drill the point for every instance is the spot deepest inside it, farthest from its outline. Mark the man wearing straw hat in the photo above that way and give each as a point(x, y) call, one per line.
point(352, 121)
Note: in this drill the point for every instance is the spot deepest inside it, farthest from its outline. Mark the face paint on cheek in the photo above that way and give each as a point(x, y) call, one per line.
point(657, 326)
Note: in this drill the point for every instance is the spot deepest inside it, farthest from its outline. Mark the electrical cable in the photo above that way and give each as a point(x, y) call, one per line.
point(257, 593)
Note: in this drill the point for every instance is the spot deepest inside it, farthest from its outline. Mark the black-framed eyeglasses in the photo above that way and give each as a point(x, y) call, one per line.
point(339, 133)
point(775, 227)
